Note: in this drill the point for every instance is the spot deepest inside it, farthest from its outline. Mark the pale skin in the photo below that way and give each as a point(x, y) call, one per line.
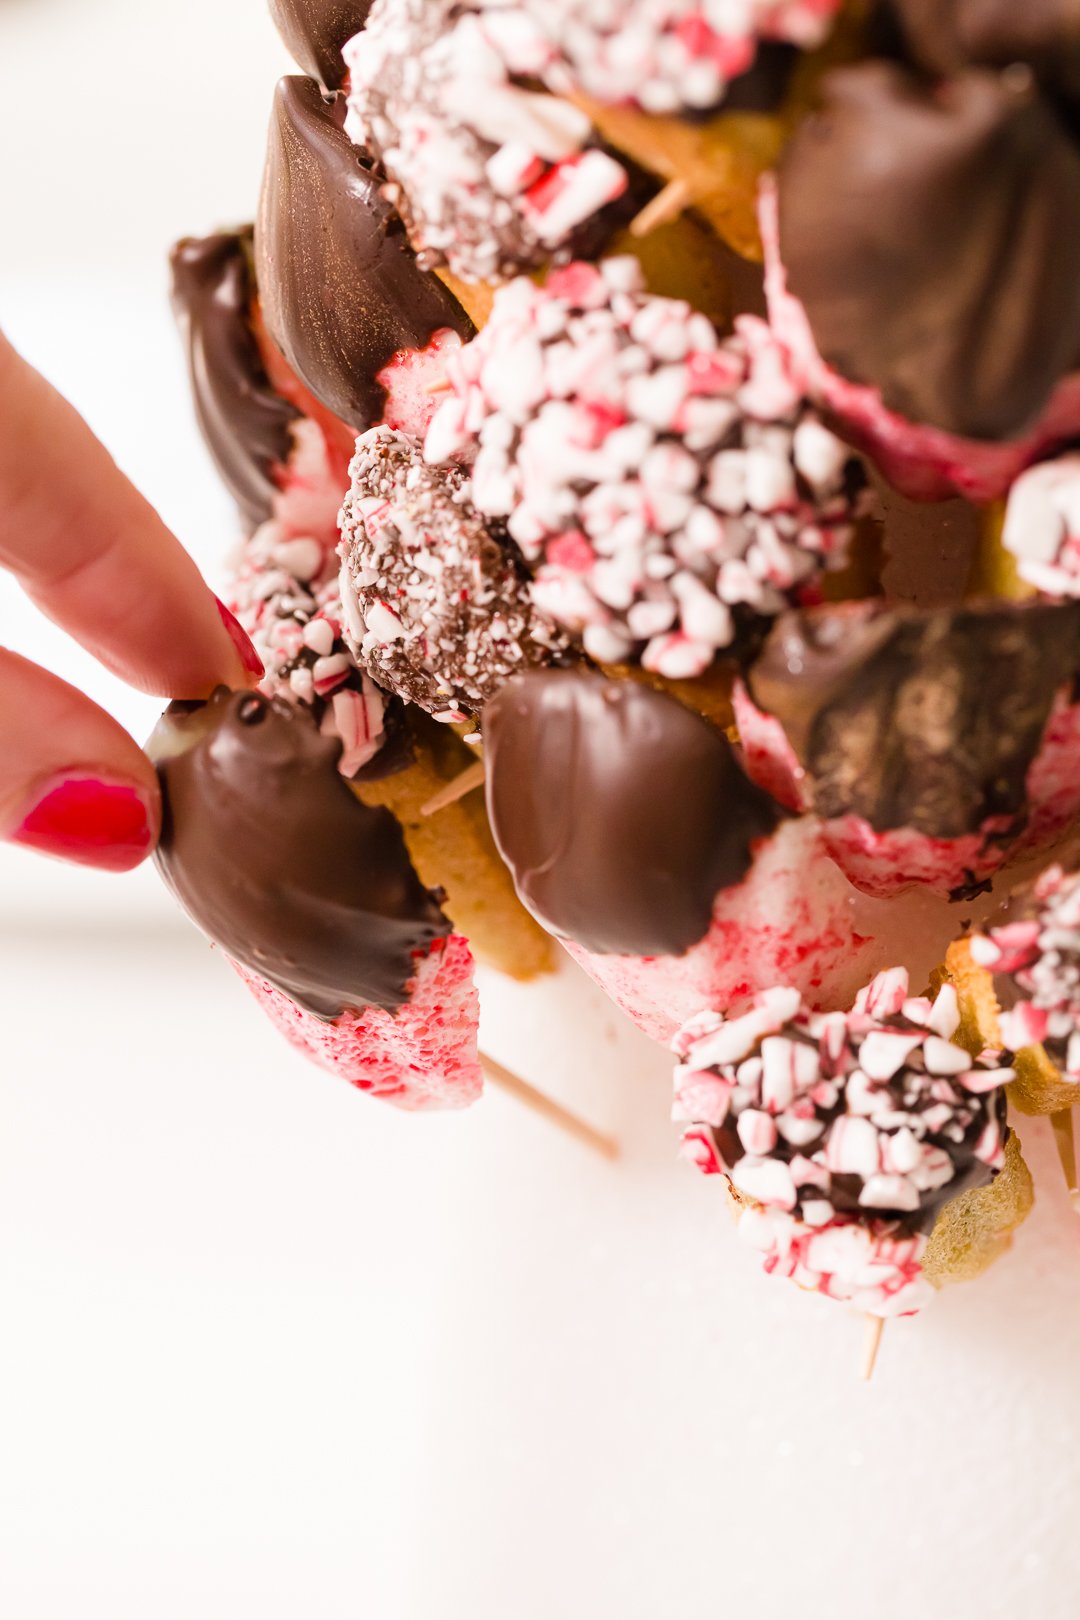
point(96, 558)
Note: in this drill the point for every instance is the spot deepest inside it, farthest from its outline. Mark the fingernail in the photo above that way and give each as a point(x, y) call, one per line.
point(85, 819)
point(241, 641)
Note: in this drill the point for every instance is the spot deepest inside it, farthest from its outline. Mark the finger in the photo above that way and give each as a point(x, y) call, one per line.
point(72, 782)
point(95, 556)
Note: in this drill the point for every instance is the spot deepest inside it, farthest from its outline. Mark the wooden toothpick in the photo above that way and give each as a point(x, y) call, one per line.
point(548, 1108)
point(873, 1329)
point(675, 198)
point(1065, 1142)
point(471, 778)
point(442, 385)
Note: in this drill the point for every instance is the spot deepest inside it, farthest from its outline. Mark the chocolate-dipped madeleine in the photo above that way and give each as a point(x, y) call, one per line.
point(341, 290)
point(272, 856)
point(620, 813)
point(932, 233)
point(245, 423)
point(928, 721)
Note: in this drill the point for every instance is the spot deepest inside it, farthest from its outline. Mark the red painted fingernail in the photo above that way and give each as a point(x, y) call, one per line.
point(241, 641)
point(82, 818)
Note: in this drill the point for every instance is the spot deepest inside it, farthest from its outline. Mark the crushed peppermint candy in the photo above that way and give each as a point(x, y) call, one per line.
point(670, 56)
point(1037, 954)
point(831, 1120)
point(671, 490)
point(490, 176)
point(284, 591)
point(437, 606)
point(1042, 526)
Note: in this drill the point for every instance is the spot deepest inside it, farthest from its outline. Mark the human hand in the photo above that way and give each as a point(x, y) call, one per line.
point(97, 559)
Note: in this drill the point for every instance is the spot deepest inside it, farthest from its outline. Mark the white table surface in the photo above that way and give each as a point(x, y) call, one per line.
point(270, 1349)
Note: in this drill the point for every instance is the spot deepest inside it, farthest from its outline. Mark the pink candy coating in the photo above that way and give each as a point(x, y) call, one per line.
point(421, 1057)
point(886, 863)
point(791, 921)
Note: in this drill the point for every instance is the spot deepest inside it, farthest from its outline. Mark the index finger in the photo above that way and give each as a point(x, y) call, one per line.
point(95, 556)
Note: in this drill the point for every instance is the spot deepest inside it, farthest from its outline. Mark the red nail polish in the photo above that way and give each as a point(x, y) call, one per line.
point(82, 818)
point(241, 641)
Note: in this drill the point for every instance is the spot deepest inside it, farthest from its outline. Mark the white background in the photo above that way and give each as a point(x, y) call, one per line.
point(269, 1349)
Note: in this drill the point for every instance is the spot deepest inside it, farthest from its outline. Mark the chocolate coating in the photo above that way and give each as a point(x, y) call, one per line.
point(932, 233)
point(272, 855)
point(943, 39)
point(340, 286)
point(921, 720)
point(620, 813)
point(315, 31)
point(244, 422)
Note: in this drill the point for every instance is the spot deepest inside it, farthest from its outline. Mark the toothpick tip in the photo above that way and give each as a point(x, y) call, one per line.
point(674, 199)
point(872, 1331)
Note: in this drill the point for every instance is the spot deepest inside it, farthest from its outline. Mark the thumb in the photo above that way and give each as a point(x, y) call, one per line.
point(73, 784)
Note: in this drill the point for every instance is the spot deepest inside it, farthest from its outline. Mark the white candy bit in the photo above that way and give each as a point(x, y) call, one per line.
point(942, 1057)
point(789, 1068)
point(383, 623)
point(945, 1014)
point(302, 684)
point(807, 1173)
point(819, 455)
point(757, 1132)
point(800, 1127)
point(705, 619)
point(980, 1081)
point(901, 1151)
point(852, 1148)
point(579, 189)
point(884, 1052)
point(303, 558)
point(888, 1192)
point(767, 1180)
point(861, 1095)
point(885, 995)
point(1042, 526)
point(319, 637)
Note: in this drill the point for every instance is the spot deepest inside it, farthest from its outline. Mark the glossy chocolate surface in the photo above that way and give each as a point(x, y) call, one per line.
point(272, 855)
point(932, 233)
point(341, 290)
point(315, 31)
point(944, 38)
point(244, 422)
point(620, 813)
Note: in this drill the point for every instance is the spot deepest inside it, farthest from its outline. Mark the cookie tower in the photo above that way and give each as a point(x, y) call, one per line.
point(658, 412)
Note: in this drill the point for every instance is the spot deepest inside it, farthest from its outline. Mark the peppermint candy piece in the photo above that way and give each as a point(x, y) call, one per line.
point(489, 177)
point(437, 607)
point(670, 490)
point(1037, 953)
point(869, 1116)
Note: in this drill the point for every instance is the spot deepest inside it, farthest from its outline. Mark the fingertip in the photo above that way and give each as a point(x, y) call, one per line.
point(84, 815)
